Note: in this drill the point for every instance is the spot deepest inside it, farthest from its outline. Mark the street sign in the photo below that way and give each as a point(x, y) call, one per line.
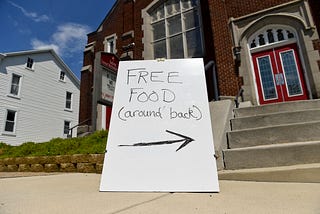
point(160, 136)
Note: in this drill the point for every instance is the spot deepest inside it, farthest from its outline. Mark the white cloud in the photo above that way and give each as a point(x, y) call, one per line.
point(68, 39)
point(38, 45)
point(32, 15)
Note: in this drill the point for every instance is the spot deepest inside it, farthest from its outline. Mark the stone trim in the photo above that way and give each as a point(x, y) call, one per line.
point(295, 16)
point(91, 163)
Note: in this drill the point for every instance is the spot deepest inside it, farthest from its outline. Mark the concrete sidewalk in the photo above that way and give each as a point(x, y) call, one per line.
point(79, 193)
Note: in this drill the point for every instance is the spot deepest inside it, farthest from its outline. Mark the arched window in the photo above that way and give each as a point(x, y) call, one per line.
point(270, 36)
point(176, 29)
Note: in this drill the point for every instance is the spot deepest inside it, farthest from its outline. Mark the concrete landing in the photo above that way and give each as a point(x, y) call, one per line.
point(78, 193)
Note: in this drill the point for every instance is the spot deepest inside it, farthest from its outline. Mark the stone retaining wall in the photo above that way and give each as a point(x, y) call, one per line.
point(65, 163)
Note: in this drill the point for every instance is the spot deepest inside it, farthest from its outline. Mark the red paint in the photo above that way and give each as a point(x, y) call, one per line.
point(277, 68)
point(110, 61)
point(108, 116)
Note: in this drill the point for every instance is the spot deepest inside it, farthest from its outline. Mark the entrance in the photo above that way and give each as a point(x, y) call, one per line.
point(106, 116)
point(279, 76)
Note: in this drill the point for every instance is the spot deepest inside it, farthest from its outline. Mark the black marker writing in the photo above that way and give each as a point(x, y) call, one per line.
point(139, 95)
point(192, 113)
point(124, 114)
point(142, 76)
point(185, 139)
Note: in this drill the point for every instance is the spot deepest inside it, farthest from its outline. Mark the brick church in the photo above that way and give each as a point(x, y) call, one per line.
point(267, 49)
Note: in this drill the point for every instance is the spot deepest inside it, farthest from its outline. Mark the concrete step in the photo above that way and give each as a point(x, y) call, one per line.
point(275, 119)
point(298, 132)
point(272, 155)
point(304, 173)
point(279, 107)
point(84, 134)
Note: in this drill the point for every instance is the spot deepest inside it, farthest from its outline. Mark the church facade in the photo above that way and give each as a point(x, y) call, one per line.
point(267, 49)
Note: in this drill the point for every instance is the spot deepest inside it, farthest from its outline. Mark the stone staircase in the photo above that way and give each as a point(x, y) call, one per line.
point(263, 138)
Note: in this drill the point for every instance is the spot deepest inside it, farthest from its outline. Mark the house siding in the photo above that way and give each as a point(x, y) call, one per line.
point(41, 107)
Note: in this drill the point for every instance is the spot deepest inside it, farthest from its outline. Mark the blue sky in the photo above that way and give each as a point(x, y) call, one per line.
point(62, 25)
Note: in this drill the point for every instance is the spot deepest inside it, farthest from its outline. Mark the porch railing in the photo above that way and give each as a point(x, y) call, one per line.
point(240, 94)
point(79, 124)
point(211, 64)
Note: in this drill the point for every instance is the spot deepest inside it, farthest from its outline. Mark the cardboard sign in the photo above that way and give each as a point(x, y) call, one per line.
point(160, 136)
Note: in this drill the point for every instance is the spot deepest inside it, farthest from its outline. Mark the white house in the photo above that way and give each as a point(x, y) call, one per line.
point(39, 97)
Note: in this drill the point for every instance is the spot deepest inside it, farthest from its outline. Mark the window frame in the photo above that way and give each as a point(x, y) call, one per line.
point(30, 61)
point(184, 30)
point(289, 36)
point(10, 94)
point(106, 43)
point(62, 73)
point(68, 101)
point(64, 127)
point(13, 132)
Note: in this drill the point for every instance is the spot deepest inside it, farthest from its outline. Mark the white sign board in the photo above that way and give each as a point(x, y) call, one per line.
point(107, 85)
point(160, 136)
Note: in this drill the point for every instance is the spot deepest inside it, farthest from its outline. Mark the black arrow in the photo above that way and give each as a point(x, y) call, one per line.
point(186, 140)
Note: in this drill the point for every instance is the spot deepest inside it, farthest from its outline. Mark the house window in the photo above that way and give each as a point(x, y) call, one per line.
point(110, 44)
point(66, 127)
point(68, 100)
point(15, 85)
point(10, 122)
point(177, 29)
point(30, 63)
point(62, 76)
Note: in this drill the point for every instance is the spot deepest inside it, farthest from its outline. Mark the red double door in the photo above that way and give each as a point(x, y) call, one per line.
point(279, 75)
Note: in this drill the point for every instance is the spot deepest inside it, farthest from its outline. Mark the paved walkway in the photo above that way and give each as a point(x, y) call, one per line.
point(78, 193)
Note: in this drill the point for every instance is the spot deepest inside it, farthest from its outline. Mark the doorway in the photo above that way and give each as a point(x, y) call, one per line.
point(278, 75)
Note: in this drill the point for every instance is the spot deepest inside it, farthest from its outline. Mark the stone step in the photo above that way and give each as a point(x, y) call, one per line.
point(275, 119)
point(278, 107)
point(304, 173)
point(272, 155)
point(298, 132)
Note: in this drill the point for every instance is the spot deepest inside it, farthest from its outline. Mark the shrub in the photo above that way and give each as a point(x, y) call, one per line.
point(92, 144)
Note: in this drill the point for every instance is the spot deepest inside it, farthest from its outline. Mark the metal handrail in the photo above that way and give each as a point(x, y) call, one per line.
point(240, 94)
point(79, 124)
point(214, 77)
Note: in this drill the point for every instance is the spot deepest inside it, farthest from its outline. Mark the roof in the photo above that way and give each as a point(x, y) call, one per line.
point(106, 17)
point(51, 51)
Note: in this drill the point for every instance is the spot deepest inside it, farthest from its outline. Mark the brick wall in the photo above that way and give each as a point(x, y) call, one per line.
point(316, 45)
point(126, 16)
point(119, 21)
point(236, 8)
point(315, 8)
point(228, 79)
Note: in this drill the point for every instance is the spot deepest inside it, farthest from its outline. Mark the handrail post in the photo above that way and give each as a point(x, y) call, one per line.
point(214, 78)
point(240, 94)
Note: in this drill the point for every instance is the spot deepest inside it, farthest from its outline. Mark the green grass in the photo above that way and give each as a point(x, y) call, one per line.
point(92, 144)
